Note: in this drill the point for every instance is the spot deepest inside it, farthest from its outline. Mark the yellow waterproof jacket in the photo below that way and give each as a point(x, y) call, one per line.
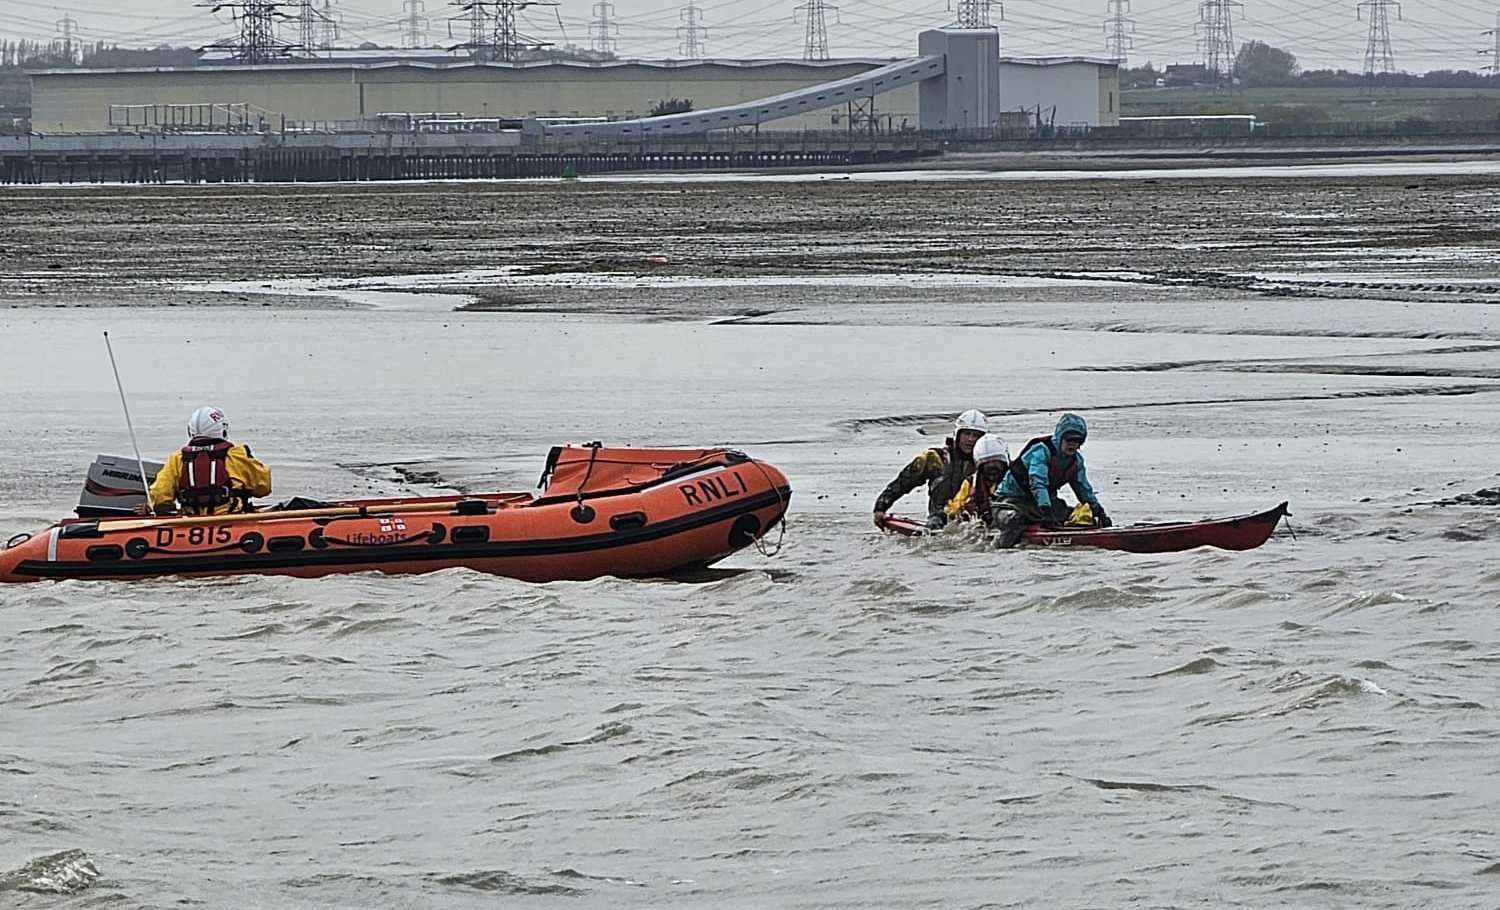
point(964, 500)
point(942, 469)
point(961, 499)
point(246, 472)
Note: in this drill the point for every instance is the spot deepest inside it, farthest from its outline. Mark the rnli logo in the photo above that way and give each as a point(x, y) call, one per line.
point(713, 489)
point(392, 525)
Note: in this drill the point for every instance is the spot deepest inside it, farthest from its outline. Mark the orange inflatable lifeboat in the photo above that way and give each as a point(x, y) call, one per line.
point(601, 511)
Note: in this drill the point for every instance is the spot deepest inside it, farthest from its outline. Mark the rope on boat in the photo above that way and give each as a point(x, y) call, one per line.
point(760, 542)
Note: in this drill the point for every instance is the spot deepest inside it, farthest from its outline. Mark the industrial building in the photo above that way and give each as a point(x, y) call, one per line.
point(1070, 91)
point(1067, 91)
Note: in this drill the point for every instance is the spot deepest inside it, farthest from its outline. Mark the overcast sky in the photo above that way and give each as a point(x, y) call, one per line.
point(1431, 34)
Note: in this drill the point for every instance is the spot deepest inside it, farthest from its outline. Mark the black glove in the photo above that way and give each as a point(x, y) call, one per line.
point(1052, 524)
point(1102, 517)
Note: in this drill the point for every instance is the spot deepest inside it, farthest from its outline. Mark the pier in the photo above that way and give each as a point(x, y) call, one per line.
point(261, 157)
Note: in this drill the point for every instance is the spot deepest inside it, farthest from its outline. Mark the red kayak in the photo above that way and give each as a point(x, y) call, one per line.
point(1245, 532)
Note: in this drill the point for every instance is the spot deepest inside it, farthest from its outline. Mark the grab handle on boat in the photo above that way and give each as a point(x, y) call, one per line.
point(628, 521)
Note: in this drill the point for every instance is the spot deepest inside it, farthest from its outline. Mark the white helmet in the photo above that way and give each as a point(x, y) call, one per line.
point(971, 420)
point(208, 421)
point(991, 448)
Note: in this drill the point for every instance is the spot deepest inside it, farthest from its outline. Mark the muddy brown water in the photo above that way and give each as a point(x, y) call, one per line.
point(858, 721)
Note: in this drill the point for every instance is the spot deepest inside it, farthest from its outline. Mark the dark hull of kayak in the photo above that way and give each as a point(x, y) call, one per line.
point(1245, 532)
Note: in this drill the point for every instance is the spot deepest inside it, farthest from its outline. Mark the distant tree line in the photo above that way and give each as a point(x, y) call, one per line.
point(21, 52)
point(29, 53)
point(19, 55)
point(670, 106)
point(566, 53)
point(1260, 65)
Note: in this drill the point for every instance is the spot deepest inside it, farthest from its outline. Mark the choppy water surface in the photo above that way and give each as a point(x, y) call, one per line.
point(857, 722)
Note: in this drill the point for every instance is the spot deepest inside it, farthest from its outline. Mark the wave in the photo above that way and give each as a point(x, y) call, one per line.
point(605, 732)
point(501, 882)
point(1192, 667)
point(65, 872)
point(1144, 786)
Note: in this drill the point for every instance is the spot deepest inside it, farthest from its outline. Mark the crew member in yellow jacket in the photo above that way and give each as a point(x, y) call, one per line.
point(210, 475)
point(975, 499)
point(944, 469)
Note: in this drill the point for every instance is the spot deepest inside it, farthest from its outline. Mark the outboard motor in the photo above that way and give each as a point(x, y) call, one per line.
point(114, 487)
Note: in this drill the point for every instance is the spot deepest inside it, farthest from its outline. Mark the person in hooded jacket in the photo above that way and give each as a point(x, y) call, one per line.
point(1045, 465)
point(943, 469)
point(978, 497)
point(210, 475)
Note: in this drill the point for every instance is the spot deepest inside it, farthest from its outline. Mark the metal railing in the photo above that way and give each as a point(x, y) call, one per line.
point(195, 117)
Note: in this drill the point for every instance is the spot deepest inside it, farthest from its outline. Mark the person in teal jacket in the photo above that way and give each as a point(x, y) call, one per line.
point(1046, 464)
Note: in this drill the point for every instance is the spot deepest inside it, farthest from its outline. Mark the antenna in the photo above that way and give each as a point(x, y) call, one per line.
point(139, 463)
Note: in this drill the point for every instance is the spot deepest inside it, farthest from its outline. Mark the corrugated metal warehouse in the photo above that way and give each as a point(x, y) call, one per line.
point(1082, 90)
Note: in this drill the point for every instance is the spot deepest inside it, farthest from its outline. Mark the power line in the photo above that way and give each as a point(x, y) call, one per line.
point(1494, 65)
point(1216, 41)
point(815, 44)
point(1118, 31)
point(318, 28)
point(307, 18)
point(257, 19)
point(1379, 58)
point(67, 38)
point(329, 34)
point(1315, 29)
point(691, 34)
point(602, 30)
point(500, 41)
point(413, 23)
point(976, 13)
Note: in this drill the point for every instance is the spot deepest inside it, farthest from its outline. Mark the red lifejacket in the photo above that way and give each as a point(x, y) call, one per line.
point(1059, 475)
point(203, 480)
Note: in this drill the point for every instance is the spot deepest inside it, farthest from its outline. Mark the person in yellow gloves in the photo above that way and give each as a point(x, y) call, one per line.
point(943, 469)
point(976, 498)
point(210, 475)
point(1045, 465)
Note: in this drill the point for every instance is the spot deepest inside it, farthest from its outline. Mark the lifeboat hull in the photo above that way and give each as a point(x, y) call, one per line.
point(658, 517)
